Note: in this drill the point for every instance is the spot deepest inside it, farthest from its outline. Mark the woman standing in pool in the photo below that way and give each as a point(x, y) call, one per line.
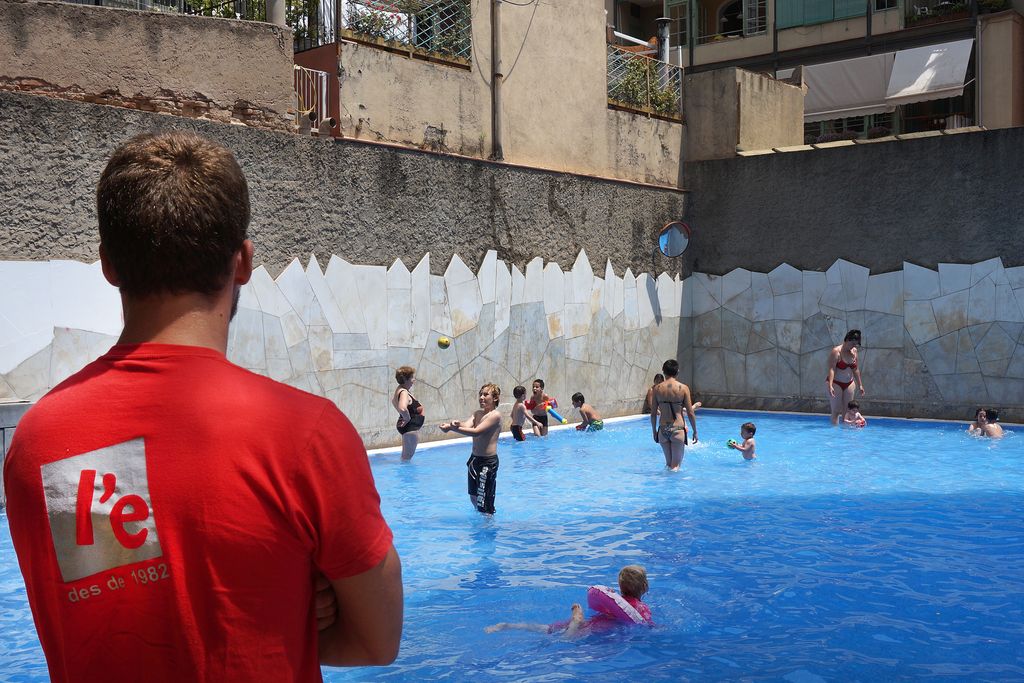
point(670, 400)
point(410, 412)
point(843, 373)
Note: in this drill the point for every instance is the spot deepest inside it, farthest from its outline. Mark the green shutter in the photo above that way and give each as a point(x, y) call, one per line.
point(817, 11)
point(789, 13)
point(850, 8)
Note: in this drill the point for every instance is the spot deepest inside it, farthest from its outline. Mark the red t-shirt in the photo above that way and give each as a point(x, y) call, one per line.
point(169, 510)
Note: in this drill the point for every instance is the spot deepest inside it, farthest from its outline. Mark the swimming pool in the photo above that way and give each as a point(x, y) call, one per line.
point(892, 552)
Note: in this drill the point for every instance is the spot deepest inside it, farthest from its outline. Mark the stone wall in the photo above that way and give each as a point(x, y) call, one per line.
point(189, 66)
point(367, 203)
point(937, 343)
point(341, 331)
point(925, 200)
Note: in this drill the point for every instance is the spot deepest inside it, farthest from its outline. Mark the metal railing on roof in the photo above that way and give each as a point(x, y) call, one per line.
point(640, 83)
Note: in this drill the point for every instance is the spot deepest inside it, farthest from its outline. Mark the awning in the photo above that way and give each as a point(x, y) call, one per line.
point(929, 73)
point(852, 87)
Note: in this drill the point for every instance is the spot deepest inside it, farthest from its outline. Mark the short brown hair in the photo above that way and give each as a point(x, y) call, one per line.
point(494, 390)
point(173, 210)
point(750, 427)
point(633, 581)
point(403, 374)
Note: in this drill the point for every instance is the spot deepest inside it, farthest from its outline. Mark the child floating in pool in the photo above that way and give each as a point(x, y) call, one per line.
point(747, 448)
point(485, 425)
point(592, 421)
point(625, 607)
point(852, 417)
point(520, 415)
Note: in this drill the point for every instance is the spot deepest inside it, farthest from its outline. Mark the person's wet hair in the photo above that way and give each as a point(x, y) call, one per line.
point(493, 389)
point(659, 378)
point(404, 374)
point(578, 398)
point(853, 405)
point(540, 382)
point(633, 581)
point(670, 367)
point(173, 209)
point(853, 335)
point(519, 391)
point(750, 427)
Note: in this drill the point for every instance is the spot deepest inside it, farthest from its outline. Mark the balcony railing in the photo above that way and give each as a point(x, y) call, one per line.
point(642, 84)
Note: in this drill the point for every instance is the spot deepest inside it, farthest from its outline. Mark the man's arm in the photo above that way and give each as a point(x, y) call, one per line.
point(485, 425)
point(654, 414)
point(369, 624)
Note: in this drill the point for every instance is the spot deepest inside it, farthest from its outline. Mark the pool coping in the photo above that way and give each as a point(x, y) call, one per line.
point(390, 450)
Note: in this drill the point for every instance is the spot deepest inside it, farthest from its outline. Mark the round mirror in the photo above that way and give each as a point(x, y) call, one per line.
point(673, 239)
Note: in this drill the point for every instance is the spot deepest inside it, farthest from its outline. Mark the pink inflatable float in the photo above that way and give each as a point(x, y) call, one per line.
point(609, 603)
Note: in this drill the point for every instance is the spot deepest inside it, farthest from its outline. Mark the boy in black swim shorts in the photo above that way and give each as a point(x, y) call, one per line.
point(520, 415)
point(482, 466)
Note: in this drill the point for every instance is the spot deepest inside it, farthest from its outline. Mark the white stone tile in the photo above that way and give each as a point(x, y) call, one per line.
point(919, 284)
point(606, 301)
point(764, 304)
point(555, 329)
point(668, 297)
point(855, 284)
point(399, 276)
point(293, 327)
point(72, 350)
point(246, 347)
point(615, 292)
point(789, 306)
point(582, 280)
point(81, 298)
point(341, 279)
point(1007, 305)
point(1015, 276)
point(814, 286)
point(30, 379)
point(294, 285)
point(554, 289)
point(26, 316)
point(787, 335)
point(576, 320)
point(785, 279)
point(440, 316)
point(686, 298)
point(485, 276)
point(992, 267)
point(372, 285)
point(982, 307)
point(502, 297)
point(273, 338)
point(734, 283)
point(954, 277)
point(247, 297)
point(534, 290)
point(321, 348)
point(833, 299)
point(518, 286)
point(597, 296)
point(707, 293)
point(951, 311)
point(647, 299)
point(325, 297)
point(419, 282)
point(400, 333)
point(885, 293)
point(463, 296)
point(920, 321)
point(630, 306)
point(271, 299)
point(834, 274)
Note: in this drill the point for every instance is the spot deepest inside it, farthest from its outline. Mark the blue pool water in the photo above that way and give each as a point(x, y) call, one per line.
point(888, 553)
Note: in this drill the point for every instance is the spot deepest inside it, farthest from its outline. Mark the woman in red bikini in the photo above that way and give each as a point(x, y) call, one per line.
point(842, 373)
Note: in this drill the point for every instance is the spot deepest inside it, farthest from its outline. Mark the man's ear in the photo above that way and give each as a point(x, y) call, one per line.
point(108, 268)
point(243, 263)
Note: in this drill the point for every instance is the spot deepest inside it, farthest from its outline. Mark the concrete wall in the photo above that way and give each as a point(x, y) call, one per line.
point(367, 203)
point(1001, 72)
point(189, 66)
point(729, 107)
point(555, 106)
point(925, 200)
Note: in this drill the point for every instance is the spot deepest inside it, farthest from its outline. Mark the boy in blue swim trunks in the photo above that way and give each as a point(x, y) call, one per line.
point(592, 421)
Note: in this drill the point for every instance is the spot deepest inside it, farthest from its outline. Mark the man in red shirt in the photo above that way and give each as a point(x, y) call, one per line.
point(175, 515)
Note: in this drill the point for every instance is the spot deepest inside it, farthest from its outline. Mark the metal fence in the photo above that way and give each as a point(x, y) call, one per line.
point(640, 83)
point(312, 96)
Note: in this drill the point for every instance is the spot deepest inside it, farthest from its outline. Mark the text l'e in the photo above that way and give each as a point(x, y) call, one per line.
point(137, 511)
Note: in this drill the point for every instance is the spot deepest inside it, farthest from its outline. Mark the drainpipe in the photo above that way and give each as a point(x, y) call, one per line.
point(663, 24)
point(275, 12)
point(496, 77)
point(867, 23)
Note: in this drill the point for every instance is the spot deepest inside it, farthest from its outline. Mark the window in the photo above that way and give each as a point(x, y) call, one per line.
point(755, 14)
point(882, 5)
point(679, 30)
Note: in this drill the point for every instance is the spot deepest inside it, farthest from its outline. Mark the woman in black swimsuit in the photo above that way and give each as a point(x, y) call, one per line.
point(410, 412)
point(671, 403)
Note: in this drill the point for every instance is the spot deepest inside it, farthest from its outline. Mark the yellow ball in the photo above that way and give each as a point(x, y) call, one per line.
point(444, 342)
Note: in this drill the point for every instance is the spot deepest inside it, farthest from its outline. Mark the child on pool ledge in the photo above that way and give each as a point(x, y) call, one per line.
point(632, 585)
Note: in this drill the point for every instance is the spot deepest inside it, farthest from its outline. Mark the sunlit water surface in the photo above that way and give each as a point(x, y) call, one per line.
point(892, 552)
